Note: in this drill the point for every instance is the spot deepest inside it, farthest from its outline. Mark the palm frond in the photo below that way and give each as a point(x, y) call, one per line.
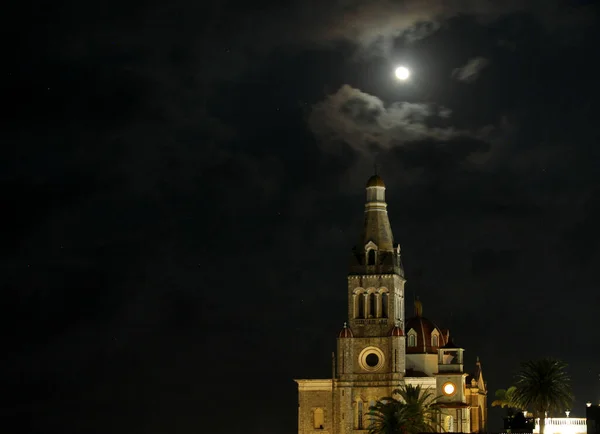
point(414, 412)
point(505, 398)
point(543, 385)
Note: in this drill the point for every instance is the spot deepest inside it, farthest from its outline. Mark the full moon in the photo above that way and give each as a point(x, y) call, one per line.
point(402, 73)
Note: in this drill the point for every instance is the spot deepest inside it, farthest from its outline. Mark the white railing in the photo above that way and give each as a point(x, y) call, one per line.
point(563, 425)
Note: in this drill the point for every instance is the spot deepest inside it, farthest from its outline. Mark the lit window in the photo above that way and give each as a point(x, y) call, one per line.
point(412, 340)
point(319, 418)
point(435, 341)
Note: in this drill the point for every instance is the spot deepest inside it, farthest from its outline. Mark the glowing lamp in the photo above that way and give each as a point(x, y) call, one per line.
point(449, 389)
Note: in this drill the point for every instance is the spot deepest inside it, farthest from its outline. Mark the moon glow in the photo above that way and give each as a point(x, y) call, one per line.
point(402, 73)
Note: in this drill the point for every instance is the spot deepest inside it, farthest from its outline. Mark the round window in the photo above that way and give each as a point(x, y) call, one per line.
point(371, 359)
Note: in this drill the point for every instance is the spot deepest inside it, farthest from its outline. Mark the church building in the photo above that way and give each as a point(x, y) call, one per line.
point(378, 349)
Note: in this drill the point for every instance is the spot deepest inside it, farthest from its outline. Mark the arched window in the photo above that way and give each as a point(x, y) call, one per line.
point(412, 340)
point(384, 304)
point(372, 305)
point(359, 415)
point(371, 257)
point(359, 307)
point(435, 340)
point(319, 418)
point(449, 423)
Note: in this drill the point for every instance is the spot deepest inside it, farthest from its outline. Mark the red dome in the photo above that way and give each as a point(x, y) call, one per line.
point(346, 332)
point(396, 331)
point(423, 329)
point(420, 334)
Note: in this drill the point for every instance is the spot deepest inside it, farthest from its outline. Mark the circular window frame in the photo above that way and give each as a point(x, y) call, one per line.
point(449, 383)
point(362, 359)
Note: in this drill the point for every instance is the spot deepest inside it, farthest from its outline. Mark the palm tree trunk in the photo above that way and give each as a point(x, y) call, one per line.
point(542, 421)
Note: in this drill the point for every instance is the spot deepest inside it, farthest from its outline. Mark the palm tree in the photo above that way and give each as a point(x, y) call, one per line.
point(387, 417)
point(543, 386)
point(421, 408)
point(505, 399)
point(415, 412)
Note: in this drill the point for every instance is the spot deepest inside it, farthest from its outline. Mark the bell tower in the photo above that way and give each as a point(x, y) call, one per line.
point(371, 346)
point(376, 278)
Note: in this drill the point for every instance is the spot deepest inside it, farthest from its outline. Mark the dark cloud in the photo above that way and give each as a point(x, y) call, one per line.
point(471, 70)
point(366, 124)
point(419, 131)
point(373, 25)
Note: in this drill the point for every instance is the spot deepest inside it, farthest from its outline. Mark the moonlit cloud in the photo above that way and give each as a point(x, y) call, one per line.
point(364, 122)
point(471, 70)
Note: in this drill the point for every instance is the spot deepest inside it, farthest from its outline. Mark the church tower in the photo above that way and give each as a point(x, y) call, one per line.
point(374, 357)
point(376, 278)
point(371, 347)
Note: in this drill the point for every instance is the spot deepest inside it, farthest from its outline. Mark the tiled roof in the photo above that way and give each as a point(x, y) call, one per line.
point(423, 328)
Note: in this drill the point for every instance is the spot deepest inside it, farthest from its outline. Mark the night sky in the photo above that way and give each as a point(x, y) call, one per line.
point(183, 181)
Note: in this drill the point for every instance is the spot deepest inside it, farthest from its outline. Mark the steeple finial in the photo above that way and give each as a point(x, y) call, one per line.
point(418, 308)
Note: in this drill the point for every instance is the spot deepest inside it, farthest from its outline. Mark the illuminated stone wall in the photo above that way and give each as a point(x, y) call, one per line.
point(313, 395)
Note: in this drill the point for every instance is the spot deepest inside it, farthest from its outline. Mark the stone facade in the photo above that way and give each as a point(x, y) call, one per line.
point(378, 350)
point(316, 399)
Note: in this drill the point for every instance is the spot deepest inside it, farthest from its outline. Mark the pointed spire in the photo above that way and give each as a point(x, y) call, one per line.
point(478, 375)
point(376, 252)
point(377, 227)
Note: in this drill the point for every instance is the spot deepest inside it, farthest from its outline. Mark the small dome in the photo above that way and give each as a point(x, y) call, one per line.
point(396, 331)
point(346, 332)
point(375, 181)
point(424, 330)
